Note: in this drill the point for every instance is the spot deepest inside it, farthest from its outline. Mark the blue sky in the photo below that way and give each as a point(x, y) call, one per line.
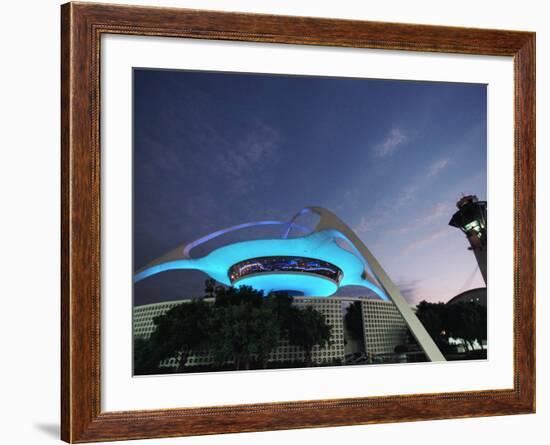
point(391, 158)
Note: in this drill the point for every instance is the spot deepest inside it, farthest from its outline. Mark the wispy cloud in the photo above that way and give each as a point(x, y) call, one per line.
point(437, 166)
point(405, 196)
point(409, 289)
point(424, 240)
point(393, 141)
point(235, 166)
point(364, 225)
point(437, 211)
point(257, 147)
point(388, 207)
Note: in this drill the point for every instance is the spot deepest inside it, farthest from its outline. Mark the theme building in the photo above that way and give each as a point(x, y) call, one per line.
point(315, 264)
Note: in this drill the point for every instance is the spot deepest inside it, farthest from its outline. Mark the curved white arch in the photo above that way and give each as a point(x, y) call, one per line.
point(329, 221)
point(187, 249)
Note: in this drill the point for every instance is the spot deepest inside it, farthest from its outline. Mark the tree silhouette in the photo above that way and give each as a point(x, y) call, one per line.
point(243, 333)
point(234, 296)
point(308, 329)
point(209, 287)
point(145, 359)
point(183, 328)
point(244, 328)
point(354, 322)
point(465, 320)
point(432, 316)
point(283, 310)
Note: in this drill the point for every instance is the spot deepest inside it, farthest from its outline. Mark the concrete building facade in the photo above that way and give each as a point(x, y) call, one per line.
point(383, 328)
point(331, 308)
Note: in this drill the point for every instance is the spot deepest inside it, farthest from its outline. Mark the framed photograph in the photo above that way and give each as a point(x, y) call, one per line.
point(274, 222)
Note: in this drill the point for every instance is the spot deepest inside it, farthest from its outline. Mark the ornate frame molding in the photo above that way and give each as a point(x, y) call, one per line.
point(82, 25)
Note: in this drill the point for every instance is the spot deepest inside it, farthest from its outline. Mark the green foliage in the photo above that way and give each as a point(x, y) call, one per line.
point(460, 320)
point(283, 311)
point(145, 361)
point(354, 321)
point(467, 321)
point(209, 287)
point(242, 326)
point(183, 328)
point(432, 316)
point(231, 296)
point(242, 333)
point(308, 329)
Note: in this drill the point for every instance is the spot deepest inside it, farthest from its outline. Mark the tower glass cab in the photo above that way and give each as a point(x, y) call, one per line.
point(471, 218)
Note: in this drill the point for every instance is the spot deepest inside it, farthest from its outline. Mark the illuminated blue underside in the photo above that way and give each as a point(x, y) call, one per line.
point(319, 245)
point(305, 283)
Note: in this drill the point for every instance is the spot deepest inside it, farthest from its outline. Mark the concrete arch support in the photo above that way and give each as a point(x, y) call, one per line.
point(329, 221)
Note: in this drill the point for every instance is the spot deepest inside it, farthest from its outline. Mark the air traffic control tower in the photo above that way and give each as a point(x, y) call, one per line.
point(471, 218)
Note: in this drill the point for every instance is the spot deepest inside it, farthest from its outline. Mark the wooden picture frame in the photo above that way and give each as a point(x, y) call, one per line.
point(82, 25)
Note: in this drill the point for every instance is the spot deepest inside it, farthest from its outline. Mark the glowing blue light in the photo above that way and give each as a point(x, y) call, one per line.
point(319, 245)
point(306, 284)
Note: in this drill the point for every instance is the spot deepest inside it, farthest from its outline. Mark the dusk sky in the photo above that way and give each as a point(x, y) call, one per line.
point(390, 158)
